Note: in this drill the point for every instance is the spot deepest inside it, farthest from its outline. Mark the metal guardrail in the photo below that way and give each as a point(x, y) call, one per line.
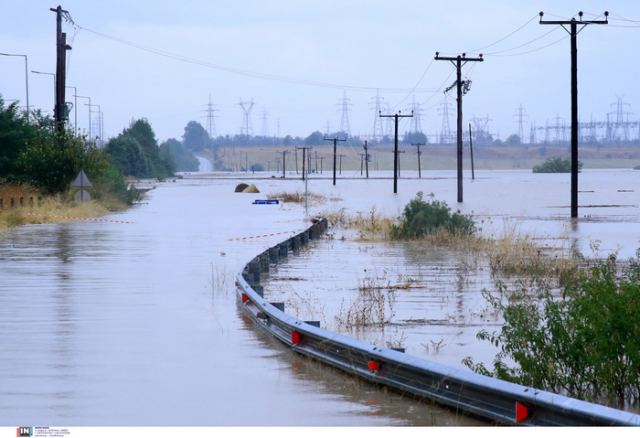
point(493, 399)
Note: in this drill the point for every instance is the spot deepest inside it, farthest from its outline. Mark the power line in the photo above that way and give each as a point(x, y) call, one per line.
point(243, 72)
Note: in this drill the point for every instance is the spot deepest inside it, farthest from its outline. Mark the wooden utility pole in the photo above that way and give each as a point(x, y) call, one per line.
point(573, 32)
point(335, 141)
point(366, 158)
point(395, 116)
point(60, 108)
point(419, 153)
point(284, 164)
point(462, 87)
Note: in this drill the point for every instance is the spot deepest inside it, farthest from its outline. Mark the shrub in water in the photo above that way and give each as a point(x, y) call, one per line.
point(421, 218)
point(555, 165)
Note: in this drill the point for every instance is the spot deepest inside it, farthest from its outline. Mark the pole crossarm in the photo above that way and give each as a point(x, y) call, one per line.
point(573, 20)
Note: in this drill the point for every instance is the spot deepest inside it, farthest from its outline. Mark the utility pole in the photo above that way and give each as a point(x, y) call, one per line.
point(366, 158)
point(60, 110)
point(88, 98)
point(473, 172)
point(284, 164)
point(462, 87)
point(573, 31)
point(295, 151)
point(341, 155)
point(335, 141)
point(395, 116)
point(419, 153)
point(304, 161)
point(321, 161)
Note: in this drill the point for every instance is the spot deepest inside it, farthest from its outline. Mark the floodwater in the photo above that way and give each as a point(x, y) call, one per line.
point(106, 323)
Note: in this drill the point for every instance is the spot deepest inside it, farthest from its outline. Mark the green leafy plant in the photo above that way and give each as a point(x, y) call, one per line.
point(555, 165)
point(584, 342)
point(421, 218)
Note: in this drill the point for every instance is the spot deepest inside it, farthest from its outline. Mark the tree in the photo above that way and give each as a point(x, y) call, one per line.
point(513, 140)
point(135, 152)
point(183, 159)
point(415, 137)
point(15, 134)
point(195, 137)
point(314, 139)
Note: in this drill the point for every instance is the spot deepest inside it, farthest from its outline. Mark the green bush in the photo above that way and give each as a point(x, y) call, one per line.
point(555, 165)
point(584, 343)
point(421, 218)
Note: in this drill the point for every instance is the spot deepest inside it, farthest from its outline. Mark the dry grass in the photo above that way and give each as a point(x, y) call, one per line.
point(371, 226)
point(298, 197)
point(49, 210)
point(510, 253)
point(374, 306)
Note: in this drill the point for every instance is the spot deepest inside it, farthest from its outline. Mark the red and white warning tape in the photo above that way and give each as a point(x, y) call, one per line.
point(88, 219)
point(259, 236)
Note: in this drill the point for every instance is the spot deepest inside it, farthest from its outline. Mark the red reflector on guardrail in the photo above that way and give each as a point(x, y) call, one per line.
point(373, 365)
point(295, 338)
point(522, 412)
point(245, 298)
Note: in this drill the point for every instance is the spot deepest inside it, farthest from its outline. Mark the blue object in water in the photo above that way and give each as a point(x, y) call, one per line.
point(266, 202)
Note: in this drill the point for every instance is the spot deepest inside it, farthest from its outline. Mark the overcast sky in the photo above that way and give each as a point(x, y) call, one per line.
point(356, 45)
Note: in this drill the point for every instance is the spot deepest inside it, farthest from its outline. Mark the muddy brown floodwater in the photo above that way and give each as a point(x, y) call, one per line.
point(137, 324)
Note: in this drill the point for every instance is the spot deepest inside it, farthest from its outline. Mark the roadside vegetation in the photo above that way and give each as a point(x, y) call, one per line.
point(570, 323)
point(555, 165)
point(583, 340)
point(38, 165)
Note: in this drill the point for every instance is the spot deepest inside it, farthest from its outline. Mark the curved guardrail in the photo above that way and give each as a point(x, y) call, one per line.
point(493, 399)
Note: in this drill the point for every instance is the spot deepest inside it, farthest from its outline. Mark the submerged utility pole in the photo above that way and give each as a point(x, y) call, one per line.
point(60, 108)
point(573, 32)
point(366, 158)
point(395, 116)
point(335, 141)
point(284, 164)
point(305, 164)
point(341, 155)
point(462, 87)
point(419, 153)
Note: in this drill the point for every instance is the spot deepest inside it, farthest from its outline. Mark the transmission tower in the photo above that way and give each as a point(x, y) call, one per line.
point(378, 129)
point(265, 124)
point(445, 129)
point(416, 109)
point(520, 117)
point(245, 129)
point(345, 105)
point(209, 112)
point(619, 128)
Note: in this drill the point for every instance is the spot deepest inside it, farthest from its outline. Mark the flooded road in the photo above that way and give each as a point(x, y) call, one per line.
point(137, 324)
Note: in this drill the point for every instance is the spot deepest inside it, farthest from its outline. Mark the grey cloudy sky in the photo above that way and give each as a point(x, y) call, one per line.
point(366, 44)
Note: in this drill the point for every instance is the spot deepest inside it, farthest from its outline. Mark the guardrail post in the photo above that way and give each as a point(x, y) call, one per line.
point(295, 243)
point(264, 262)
